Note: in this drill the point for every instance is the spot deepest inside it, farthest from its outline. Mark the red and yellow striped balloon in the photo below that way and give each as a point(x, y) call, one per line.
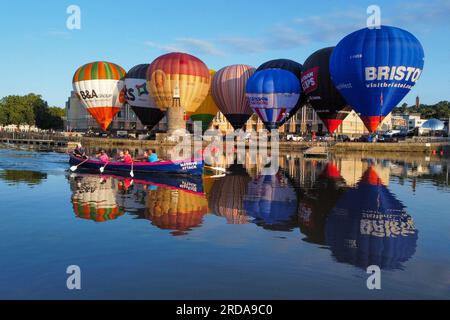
point(178, 75)
point(99, 86)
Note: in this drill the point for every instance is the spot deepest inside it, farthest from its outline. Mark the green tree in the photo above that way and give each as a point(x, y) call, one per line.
point(440, 110)
point(15, 110)
point(30, 109)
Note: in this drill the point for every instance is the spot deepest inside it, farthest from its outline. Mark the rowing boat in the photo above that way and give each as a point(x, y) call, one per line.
point(192, 167)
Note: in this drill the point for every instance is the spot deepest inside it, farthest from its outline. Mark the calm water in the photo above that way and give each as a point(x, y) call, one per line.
point(308, 232)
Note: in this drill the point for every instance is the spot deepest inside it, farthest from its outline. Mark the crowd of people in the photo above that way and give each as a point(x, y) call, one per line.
point(123, 156)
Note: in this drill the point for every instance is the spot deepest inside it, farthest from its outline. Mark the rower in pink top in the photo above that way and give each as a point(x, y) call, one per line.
point(102, 156)
point(127, 157)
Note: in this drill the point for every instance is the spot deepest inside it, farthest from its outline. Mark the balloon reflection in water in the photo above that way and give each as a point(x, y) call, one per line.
point(131, 195)
point(369, 226)
point(317, 203)
point(94, 198)
point(227, 195)
point(177, 210)
point(272, 201)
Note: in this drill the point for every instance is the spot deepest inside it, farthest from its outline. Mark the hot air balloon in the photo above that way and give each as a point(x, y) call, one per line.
point(292, 66)
point(272, 94)
point(228, 90)
point(369, 226)
point(208, 109)
point(272, 202)
point(375, 68)
point(99, 86)
point(138, 97)
point(178, 75)
point(324, 98)
point(94, 198)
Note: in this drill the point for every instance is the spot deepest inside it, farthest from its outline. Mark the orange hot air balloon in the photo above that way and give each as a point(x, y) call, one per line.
point(178, 75)
point(99, 86)
point(228, 90)
point(208, 109)
point(176, 210)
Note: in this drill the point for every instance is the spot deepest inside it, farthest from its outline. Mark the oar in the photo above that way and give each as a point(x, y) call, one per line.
point(103, 168)
point(131, 172)
point(216, 176)
point(73, 168)
point(216, 168)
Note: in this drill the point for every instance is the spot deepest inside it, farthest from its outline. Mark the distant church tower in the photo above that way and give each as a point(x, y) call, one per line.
point(417, 102)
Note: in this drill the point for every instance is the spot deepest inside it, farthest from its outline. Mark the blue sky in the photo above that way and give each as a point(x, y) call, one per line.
point(39, 54)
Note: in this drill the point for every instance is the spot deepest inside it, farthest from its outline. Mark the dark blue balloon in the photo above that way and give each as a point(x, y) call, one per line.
point(375, 68)
point(273, 81)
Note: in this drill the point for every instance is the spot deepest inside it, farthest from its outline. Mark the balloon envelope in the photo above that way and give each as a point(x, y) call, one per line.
point(375, 68)
point(179, 75)
point(99, 86)
point(292, 66)
point(229, 93)
point(138, 97)
point(272, 94)
point(324, 98)
point(208, 109)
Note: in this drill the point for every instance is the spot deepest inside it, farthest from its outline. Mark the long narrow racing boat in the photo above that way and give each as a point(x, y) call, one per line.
point(192, 167)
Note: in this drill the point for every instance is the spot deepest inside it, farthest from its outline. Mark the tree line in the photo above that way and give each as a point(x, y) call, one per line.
point(440, 110)
point(30, 110)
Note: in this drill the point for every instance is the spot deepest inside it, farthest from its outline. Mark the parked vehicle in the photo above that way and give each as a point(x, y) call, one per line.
point(292, 137)
point(343, 138)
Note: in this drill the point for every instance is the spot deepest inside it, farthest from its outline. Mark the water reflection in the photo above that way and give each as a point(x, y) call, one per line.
point(94, 198)
point(272, 201)
point(31, 178)
point(172, 203)
point(175, 209)
point(342, 203)
point(317, 202)
point(227, 195)
point(369, 226)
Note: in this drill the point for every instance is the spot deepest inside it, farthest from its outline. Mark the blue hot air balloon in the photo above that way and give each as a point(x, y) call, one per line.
point(292, 66)
point(272, 94)
point(374, 69)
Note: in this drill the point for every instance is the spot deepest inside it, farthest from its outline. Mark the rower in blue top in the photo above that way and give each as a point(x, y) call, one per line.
point(152, 156)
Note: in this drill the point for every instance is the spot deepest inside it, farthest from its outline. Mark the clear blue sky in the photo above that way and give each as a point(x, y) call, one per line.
point(39, 54)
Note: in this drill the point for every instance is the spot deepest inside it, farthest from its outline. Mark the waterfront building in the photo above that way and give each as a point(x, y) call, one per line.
point(22, 127)
point(305, 121)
